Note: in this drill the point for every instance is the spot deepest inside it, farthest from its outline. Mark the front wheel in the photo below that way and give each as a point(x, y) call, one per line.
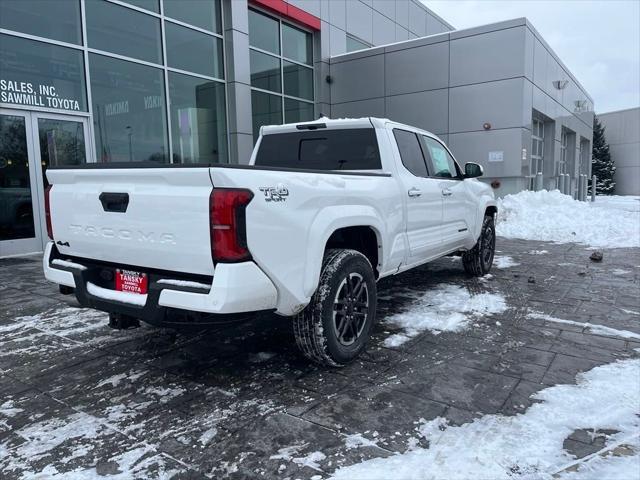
point(479, 259)
point(335, 327)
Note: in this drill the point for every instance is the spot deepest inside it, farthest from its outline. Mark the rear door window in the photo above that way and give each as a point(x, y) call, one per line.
point(410, 152)
point(347, 149)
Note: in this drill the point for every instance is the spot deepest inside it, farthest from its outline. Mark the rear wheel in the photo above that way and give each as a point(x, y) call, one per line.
point(479, 259)
point(334, 328)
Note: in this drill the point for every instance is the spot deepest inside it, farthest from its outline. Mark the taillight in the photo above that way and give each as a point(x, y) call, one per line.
point(47, 211)
point(228, 225)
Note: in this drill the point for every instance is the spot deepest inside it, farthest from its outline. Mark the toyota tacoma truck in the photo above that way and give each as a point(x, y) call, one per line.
point(322, 211)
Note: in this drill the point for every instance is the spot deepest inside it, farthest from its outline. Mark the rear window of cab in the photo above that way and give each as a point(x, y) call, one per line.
point(346, 149)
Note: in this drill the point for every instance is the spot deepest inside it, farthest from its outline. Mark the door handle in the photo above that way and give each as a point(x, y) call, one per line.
point(414, 192)
point(446, 192)
point(114, 202)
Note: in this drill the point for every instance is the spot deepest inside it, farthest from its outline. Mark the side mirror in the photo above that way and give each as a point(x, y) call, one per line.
point(473, 170)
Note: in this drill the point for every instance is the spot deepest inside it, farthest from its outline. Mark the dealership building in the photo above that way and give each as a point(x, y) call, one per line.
point(622, 133)
point(192, 81)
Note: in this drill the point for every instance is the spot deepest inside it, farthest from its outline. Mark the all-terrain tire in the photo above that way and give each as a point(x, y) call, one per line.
point(479, 259)
point(335, 327)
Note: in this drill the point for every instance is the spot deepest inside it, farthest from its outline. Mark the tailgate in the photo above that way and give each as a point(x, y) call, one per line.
point(148, 217)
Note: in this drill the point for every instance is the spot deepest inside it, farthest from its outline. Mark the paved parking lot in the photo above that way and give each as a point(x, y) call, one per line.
point(238, 402)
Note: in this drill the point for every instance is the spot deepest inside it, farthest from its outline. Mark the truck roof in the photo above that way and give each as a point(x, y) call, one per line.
point(326, 122)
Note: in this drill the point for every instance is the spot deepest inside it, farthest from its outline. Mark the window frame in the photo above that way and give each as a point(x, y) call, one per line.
point(282, 59)
point(420, 145)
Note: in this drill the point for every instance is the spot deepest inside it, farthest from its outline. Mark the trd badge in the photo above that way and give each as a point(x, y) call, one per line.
point(279, 193)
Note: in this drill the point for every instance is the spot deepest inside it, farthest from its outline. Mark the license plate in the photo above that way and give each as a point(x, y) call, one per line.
point(130, 281)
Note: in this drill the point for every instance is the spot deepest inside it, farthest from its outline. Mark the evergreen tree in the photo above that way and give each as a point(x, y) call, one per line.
point(602, 165)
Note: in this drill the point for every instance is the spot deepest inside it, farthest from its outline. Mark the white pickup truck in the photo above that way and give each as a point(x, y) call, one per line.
point(323, 210)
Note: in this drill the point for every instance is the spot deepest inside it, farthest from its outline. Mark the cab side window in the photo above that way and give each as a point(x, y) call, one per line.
point(411, 152)
point(442, 163)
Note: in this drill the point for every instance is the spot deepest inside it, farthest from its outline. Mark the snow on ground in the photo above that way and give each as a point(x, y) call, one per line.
point(528, 445)
point(357, 440)
point(312, 460)
point(290, 454)
point(67, 322)
point(446, 308)
point(594, 328)
point(609, 222)
point(620, 271)
point(608, 467)
point(503, 261)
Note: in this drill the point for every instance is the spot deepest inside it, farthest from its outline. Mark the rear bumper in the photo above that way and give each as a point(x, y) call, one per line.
point(237, 288)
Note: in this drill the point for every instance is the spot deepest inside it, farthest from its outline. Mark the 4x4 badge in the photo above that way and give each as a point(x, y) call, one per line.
point(279, 193)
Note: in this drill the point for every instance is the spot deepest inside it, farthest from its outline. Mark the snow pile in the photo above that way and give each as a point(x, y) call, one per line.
point(609, 222)
point(528, 445)
point(446, 308)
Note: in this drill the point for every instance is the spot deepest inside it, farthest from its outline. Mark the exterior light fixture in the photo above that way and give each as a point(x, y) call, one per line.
point(560, 84)
point(486, 126)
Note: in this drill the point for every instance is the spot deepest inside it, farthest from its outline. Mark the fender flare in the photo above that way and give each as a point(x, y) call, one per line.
point(325, 224)
point(485, 202)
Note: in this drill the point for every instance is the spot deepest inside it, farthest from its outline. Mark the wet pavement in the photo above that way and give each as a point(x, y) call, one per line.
point(240, 402)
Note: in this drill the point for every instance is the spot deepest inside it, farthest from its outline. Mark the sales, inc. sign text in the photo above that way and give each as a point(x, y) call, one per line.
point(26, 93)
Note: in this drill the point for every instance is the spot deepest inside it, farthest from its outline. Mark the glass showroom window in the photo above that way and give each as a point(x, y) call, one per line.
point(193, 51)
point(37, 17)
point(562, 166)
point(281, 58)
point(151, 5)
point(42, 66)
point(121, 30)
point(205, 14)
point(129, 114)
point(198, 119)
point(537, 146)
point(157, 81)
